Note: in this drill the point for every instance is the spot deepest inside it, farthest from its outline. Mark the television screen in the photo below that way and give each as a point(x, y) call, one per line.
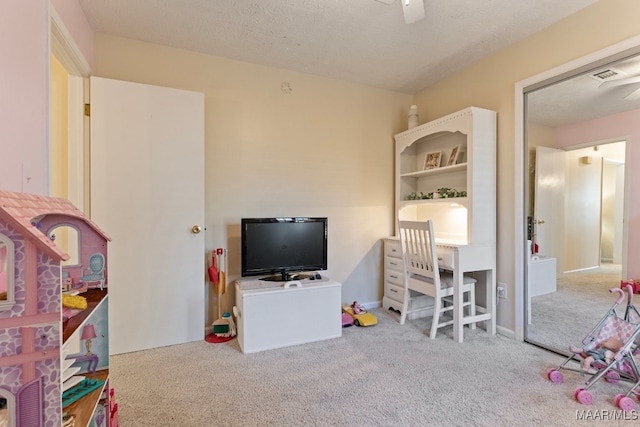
point(282, 246)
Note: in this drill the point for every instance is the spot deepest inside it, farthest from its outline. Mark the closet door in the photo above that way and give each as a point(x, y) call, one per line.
point(549, 203)
point(147, 193)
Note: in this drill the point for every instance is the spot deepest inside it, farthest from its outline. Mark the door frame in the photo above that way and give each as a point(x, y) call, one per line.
point(64, 48)
point(624, 230)
point(601, 57)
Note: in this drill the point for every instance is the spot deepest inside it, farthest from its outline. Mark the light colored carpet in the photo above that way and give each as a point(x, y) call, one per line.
point(384, 375)
point(565, 317)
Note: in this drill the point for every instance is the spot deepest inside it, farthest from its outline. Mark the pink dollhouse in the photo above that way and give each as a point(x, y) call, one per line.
point(33, 267)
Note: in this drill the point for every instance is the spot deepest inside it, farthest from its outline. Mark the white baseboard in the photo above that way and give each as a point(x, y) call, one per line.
point(505, 332)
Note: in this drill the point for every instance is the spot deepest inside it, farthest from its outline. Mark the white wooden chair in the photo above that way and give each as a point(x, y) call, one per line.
point(422, 275)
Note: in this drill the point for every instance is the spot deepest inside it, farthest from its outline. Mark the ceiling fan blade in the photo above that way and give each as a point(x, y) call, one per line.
point(620, 82)
point(386, 1)
point(413, 10)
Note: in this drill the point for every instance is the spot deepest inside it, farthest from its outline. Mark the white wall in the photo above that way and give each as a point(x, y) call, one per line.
point(24, 84)
point(583, 201)
point(322, 148)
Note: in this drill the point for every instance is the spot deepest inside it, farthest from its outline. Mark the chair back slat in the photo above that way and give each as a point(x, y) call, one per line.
point(419, 249)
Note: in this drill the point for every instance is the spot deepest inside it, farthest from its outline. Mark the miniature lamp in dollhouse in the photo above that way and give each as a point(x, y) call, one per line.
point(88, 333)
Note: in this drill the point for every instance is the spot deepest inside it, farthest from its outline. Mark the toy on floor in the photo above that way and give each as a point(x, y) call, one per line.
point(357, 308)
point(347, 320)
point(607, 352)
point(223, 329)
point(603, 351)
point(360, 315)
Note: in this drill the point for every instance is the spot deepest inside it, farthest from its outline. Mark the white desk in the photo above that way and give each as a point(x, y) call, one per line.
point(460, 258)
point(476, 258)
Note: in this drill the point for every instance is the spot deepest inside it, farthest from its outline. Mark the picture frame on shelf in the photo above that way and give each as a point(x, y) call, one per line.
point(453, 156)
point(432, 160)
point(461, 156)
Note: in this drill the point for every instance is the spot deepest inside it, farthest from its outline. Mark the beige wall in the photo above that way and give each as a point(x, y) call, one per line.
point(324, 148)
point(490, 84)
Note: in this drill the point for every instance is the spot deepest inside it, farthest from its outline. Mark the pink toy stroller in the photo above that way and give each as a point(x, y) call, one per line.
point(607, 351)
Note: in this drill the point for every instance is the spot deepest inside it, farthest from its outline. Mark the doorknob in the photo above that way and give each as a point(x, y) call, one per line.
point(196, 229)
point(538, 221)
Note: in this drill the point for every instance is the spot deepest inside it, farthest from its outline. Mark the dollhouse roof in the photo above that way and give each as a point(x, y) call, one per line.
point(20, 209)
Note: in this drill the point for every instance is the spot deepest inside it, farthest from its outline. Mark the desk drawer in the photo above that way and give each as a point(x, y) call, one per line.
point(446, 256)
point(394, 264)
point(394, 292)
point(392, 248)
point(395, 277)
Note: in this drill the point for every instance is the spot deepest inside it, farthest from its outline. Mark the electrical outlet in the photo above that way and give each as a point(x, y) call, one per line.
point(502, 291)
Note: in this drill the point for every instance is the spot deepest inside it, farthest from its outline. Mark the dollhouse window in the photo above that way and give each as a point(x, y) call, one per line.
point(67, 238)
point(7, 296)
point(7, 409)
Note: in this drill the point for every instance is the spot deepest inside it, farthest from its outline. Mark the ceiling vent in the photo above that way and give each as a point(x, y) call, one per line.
point(607, 74)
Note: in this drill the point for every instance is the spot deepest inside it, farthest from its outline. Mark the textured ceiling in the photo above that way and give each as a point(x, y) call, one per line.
point(365, 41)
point(361, 41)
point(583, 98)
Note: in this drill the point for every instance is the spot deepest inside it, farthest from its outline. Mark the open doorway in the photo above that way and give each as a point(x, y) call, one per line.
point(569, 279)
point(69, 142)
point(583, 112)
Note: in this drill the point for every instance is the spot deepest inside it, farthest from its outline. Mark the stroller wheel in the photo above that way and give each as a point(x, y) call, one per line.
point(626, 403)
point(555, 376)
point(583, 396)
point(612, 377)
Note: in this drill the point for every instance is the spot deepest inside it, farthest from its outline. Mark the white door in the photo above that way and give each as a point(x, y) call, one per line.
point(147, 192)
point(549, 203)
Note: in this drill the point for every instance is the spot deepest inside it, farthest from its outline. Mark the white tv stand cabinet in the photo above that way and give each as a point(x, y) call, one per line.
point(270, 315)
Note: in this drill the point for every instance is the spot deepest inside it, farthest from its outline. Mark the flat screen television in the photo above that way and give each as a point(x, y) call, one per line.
point(282, 247)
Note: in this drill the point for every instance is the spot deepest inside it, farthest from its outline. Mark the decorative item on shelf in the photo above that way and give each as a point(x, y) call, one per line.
point(413, 116)
point(421, 196)
point(442, 193)
point(432, 160)
point(88, 333)
point(453, 156)
point(446, 193)
point(461, 156)
point(66, 282)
